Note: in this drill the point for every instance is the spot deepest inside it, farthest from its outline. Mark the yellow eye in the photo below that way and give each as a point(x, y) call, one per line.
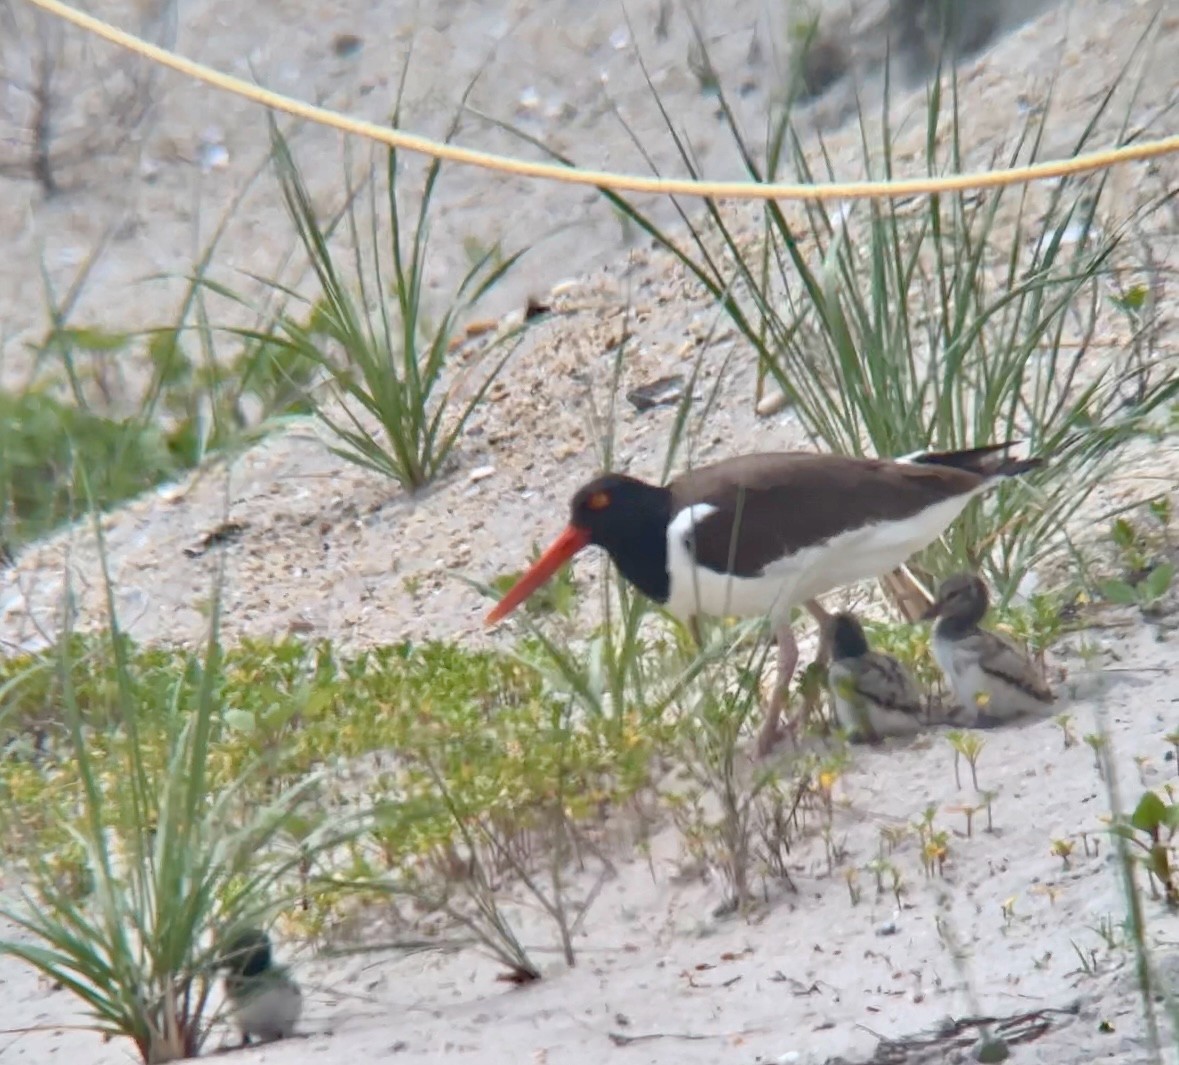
point(598, 501)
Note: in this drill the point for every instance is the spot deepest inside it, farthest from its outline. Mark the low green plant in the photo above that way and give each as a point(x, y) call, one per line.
point(1037, 622)
point(891, 837)
point(1149, 830)
point(885, 871)
point(1139, 544)
point(954, 738)
point(970, 810)
point(1087, 959)
point(968, 745)
point(987, 799)
point(1132, 547)
point(1097, 744)
point(1140, 839)
point(1063, 849)
point(42, 440)
point(1142, 552)
point(851, 876)
point(934, 842)
point(529, 846)
point(1147, 593)
point(1112, 934)
point(1162, 511)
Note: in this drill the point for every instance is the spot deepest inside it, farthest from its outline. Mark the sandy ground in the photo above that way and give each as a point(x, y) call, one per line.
point(333, 551)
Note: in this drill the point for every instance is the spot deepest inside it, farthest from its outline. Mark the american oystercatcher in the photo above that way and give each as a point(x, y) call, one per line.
point(874, 694)
point(760, 534)
point(992, 679)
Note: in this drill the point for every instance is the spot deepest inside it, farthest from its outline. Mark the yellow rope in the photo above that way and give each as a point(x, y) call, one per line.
point(735, 190)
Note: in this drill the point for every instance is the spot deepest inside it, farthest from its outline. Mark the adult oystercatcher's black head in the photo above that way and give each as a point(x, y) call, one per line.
point(626, 517)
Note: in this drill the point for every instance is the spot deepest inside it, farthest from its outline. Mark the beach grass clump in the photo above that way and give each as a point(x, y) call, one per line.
point(394, 403)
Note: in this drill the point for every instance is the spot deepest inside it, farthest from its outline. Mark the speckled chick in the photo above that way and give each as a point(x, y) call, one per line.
point(264, 1000)
point(986, 673)
point(874, 694)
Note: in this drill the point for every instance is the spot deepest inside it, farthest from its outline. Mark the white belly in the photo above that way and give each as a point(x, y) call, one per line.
point(967, 682)
point(270, 1013)
point(857, 555)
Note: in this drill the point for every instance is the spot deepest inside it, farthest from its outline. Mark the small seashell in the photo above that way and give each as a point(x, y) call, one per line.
point(563, 288)
point(772, 403)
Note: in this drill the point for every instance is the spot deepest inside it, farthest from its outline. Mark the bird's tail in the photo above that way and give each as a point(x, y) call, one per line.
point(990, 460)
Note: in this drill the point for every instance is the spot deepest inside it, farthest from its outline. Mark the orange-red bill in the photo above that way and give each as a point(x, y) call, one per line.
point(560, 551)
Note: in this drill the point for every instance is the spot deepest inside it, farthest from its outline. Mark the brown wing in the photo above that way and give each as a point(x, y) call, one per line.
point(883, 680)
point(1004, 660)
point(769, 506)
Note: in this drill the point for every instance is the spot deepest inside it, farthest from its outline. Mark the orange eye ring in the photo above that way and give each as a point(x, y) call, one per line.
point(598, 501)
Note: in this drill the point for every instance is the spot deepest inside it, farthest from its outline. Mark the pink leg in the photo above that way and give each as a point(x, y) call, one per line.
point(787, 664)
point(787, 661)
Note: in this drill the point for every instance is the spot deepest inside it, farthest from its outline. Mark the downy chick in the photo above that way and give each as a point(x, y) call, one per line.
point(874, 694)
point(990, 677)
point(263, 998)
